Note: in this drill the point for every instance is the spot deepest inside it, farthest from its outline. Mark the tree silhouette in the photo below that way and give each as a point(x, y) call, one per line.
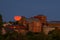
point(1, 24)
point(1, 21)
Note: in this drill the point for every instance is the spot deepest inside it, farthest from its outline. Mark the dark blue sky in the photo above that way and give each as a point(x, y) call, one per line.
point(28, 8)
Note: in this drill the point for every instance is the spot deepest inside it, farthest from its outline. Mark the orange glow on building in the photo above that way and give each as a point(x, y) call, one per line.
point(17, 18)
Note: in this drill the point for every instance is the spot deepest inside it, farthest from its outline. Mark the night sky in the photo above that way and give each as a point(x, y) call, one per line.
point(28, 8)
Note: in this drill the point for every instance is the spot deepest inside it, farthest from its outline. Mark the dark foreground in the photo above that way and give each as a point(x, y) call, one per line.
point(53, 35)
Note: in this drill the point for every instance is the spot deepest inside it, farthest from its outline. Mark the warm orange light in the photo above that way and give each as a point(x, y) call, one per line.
point(17, 18)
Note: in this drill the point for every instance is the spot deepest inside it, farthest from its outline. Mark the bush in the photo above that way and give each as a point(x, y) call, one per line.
point(54, 35)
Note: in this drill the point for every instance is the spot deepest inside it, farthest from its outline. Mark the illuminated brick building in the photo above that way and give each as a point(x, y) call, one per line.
point(37, 24)
point(43, 25)
point(42, 18)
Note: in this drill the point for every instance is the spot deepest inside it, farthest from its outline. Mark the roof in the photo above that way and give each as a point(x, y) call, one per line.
point(16, 26)
point(40, 15)
point(54, 22)
point(32, 19)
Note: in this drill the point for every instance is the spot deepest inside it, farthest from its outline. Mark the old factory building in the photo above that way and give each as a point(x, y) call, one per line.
point(39, 23)
point(36, 24)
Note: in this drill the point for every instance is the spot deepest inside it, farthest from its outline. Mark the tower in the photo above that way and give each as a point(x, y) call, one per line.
point(42, 20)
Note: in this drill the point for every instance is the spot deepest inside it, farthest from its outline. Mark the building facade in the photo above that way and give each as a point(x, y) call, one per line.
point(37, 24)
